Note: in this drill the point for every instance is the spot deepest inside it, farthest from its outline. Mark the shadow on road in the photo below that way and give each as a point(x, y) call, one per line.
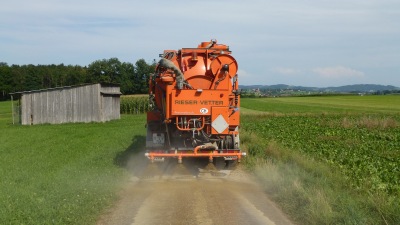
point(133, 158)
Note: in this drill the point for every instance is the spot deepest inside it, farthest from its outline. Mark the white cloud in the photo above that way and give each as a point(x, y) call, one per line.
point(274, 41)
point(337, 72)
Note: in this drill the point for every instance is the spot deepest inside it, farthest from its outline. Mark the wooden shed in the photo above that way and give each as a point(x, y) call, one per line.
point(83, 103)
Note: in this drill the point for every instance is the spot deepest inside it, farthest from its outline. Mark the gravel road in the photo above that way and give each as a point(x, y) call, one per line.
point(206, 197)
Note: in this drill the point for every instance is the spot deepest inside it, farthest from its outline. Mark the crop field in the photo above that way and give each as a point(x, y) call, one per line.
point(357, 138)
point(134, 104)
point(366, 145)
point(330, 104)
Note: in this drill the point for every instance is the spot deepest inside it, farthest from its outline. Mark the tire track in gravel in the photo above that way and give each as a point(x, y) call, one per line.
point(202, 199)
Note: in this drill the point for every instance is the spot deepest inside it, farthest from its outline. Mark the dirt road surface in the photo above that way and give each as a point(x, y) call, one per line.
point(207, 197)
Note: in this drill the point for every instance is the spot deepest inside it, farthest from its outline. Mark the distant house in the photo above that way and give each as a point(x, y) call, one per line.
point(83, 103)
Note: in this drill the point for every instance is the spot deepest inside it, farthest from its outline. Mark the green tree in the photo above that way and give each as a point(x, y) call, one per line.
point(142, 74)
point(75, 75)
point(126, 80)
point(5, 81)
point(104, 71)
point(133, 79)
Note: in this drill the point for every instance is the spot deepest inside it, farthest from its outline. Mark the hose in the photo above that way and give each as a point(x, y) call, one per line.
point(168, 64)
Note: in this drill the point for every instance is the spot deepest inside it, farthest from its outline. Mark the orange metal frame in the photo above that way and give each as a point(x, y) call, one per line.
point(195, 153)
point(210, 155)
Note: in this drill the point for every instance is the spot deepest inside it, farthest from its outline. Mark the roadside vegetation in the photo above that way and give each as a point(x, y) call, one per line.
point(134, 104)
point(63, 174)
point(324, 160)
point(327, 160)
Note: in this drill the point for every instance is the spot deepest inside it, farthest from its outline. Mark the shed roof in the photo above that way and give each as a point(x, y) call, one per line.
point(19, 93)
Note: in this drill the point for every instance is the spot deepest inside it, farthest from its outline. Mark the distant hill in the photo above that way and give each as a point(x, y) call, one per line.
point(364, 88)
point(341, 89)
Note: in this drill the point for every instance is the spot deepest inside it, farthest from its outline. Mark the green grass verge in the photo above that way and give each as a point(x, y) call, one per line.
point(323, 165)
point(63, 174)
point(325, 104)
point(67, 174)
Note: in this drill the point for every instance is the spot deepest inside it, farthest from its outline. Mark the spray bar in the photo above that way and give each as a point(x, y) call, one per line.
point(212, 154)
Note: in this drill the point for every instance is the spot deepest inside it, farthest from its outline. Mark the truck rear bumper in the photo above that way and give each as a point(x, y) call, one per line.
point(228, 154)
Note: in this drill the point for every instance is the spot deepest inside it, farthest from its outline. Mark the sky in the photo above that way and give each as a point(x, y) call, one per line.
point(318, 43)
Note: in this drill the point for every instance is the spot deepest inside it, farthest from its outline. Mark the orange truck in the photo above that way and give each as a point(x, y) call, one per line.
point(194, 105)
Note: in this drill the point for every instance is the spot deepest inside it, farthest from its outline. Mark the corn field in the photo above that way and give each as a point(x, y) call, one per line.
point(134, 104)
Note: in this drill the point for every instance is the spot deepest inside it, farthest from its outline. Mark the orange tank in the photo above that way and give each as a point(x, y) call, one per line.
point(194, 104)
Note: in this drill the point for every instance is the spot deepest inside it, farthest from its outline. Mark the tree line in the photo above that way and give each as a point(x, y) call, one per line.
point(132, 78)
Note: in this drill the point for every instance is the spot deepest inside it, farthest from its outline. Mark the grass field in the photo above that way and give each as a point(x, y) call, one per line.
point(328, 104)
point(324, 160)
point(63, 174)
point(327, 160)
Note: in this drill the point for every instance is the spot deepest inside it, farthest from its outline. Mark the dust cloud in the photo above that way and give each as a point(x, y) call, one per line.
point(195, 192)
